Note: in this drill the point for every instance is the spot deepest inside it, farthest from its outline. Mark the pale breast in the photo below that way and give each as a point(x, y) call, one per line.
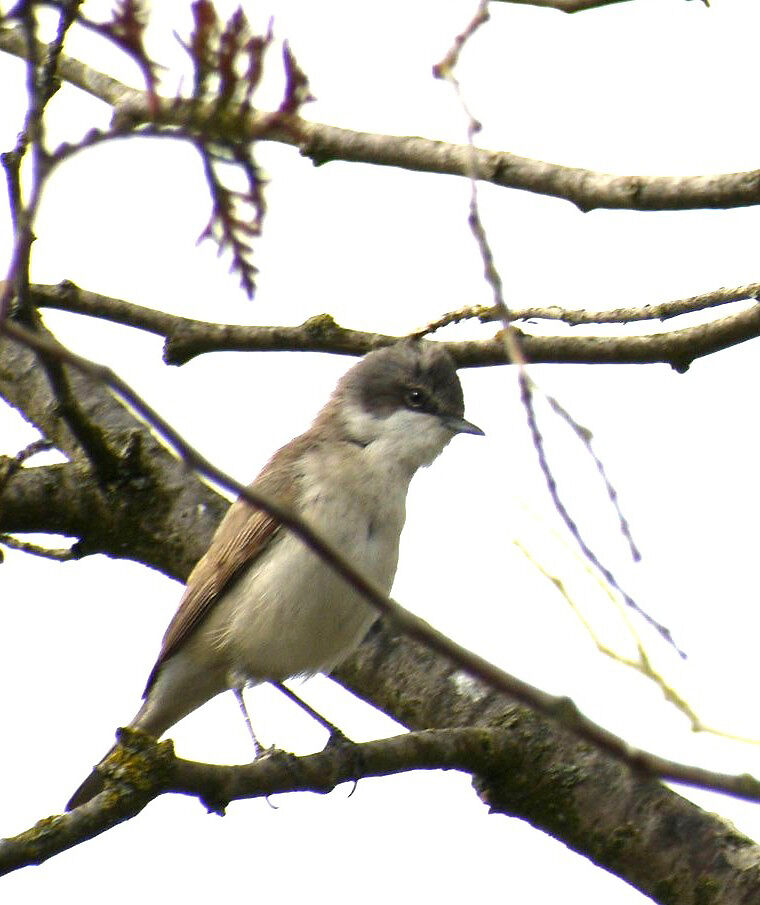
point(290, 613)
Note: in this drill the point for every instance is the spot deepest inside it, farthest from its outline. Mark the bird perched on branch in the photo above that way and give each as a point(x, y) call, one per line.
point(260, 605)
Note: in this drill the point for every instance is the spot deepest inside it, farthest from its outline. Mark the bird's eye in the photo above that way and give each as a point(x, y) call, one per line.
point(415, 398)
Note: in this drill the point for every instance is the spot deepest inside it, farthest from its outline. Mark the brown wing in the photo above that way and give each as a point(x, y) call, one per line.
point(242, 535)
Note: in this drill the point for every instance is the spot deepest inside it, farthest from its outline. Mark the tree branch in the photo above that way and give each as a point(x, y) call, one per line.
point(186, 338)
point(587, 189)
point(617, 816)
point(50, 499)
point(140, 769)
point(59, 554)
point(662, 311)
point(152, 512)
point(568, 6)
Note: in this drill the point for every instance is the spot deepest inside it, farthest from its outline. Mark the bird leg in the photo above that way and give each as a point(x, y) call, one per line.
point(237, 683)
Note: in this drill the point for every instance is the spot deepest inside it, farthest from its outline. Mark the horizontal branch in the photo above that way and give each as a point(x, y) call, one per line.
point(587, 189)
point(677, 348)
point(568, 6)
point(140, 769)
point(186, 338)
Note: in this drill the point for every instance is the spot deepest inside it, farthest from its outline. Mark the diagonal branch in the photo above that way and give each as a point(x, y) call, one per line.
point(612, 813)
point(587, 189)
point(154, 512)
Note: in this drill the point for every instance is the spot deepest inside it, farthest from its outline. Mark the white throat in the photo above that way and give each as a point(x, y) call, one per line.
point(410, 439)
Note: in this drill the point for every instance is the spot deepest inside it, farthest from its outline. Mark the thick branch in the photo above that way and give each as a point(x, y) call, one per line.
point(187, 338)
point(587, 189)
point(51, 499)
point(153, 512)
point(626, 822)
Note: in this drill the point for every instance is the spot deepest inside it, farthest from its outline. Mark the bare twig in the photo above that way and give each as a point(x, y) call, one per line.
point(585, 436)
point(60, 554)
point(42, 83)
point(514, 347)
point(663, 311)
point(12, 465)
point(572, 526)
point(643, 663)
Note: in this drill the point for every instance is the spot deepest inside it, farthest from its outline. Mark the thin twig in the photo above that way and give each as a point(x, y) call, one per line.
point(11, 464)
point(60, 554)
point(514, 348)
point(572, 526)
point(585, 436)
point(663, 311)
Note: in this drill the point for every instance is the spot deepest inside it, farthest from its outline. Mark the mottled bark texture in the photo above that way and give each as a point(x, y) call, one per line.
point(630, 824)
point(142, 504)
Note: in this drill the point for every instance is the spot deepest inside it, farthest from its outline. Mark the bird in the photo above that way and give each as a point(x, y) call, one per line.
point(260, 605)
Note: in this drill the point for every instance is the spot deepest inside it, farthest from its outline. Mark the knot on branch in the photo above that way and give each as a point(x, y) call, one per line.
point(137, 764)
point(321, 326)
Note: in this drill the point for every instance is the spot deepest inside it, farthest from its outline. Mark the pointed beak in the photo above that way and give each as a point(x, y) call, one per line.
point(461, 426)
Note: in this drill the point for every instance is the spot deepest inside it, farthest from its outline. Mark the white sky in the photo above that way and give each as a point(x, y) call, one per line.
point(660, 87)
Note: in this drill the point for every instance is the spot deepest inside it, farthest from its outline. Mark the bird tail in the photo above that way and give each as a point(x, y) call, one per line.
point(92, 786)
point(136, 760)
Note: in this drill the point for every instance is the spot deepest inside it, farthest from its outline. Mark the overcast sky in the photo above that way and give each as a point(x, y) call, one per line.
point(659, 87)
